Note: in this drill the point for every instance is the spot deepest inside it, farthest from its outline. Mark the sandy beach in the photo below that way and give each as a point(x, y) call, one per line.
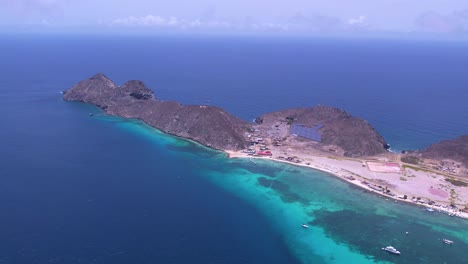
point(381, 176)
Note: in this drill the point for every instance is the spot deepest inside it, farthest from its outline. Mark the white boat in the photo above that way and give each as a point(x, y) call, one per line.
point(448, 242)
point(429, 209)
point(305, 226)
point(391, 249)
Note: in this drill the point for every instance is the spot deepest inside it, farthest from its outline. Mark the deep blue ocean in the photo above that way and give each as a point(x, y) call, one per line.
point(80, 189)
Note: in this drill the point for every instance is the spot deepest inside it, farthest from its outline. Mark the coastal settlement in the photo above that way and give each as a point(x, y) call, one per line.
point(437, 184)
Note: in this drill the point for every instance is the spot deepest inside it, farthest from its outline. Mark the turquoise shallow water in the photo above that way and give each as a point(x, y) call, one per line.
point(347, 225)
point(76, 189)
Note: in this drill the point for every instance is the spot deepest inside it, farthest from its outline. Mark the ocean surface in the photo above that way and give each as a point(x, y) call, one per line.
point(101, 189)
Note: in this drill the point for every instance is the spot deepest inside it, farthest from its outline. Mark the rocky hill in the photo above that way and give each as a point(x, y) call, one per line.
point(215, 128)
point(355, 136)
point(455, 149)
point(210, 126)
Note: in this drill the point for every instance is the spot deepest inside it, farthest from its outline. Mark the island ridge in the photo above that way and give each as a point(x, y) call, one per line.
point(320, 137)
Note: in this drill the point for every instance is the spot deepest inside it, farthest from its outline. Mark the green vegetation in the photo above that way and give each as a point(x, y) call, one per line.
point(290, 120)
point(456, 182)
point(404, 166)
point(411, 167)
point(453, 194)
point(410, 160)
point(336, 158)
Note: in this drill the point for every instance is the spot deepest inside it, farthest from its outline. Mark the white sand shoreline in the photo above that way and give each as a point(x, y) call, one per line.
point(351, 178)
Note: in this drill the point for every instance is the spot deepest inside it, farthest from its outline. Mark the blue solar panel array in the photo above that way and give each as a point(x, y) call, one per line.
point(307, 132)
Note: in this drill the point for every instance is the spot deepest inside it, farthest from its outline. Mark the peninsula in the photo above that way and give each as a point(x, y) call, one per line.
point(208, 125)
point(320, 137)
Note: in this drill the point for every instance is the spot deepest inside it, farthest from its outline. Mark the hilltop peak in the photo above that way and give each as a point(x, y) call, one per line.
point(99, 76)
point(138, 90)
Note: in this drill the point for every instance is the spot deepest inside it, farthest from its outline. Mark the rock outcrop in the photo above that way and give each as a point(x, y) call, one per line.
point(455, 149)
point(215, 128)
point(355, 136)
point(208, 125)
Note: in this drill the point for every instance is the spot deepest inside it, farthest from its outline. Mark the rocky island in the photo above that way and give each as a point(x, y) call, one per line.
point(208, 125)
point(215, 128)
point(455, 150)
point(320, 137)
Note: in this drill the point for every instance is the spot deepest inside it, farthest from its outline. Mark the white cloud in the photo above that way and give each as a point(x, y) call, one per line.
point(298, 23)
point(182, 24)
point(359, 21)
point(148, 20)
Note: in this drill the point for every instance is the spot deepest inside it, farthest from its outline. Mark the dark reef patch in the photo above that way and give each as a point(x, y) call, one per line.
point(283, 189)
point(193, 148)
point(267, 171)
point(346, 226)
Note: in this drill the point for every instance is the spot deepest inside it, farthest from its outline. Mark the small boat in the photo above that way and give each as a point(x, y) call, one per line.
point(305, 226)
point(429, 209)
point(91, 114)
point(391, 249)
point(448, 242)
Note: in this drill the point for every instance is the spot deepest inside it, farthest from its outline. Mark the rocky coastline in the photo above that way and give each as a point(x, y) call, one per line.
point(215, 128)
point(319, 137)
point(208, 125)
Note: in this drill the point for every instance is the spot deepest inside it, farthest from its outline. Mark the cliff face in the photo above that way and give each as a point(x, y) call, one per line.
point(355, 136)
point(210, 126)
point(456, 149)
point(98, 90)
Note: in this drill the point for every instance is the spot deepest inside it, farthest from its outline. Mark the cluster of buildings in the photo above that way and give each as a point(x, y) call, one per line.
point(446, 166)
point(451, 210)
point(422, 200)
point(379, 188)
point(276, 142)
point(290, 159)
point(257, 146)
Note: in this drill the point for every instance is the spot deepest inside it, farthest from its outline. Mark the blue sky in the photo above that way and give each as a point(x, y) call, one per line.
point(444, 18)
